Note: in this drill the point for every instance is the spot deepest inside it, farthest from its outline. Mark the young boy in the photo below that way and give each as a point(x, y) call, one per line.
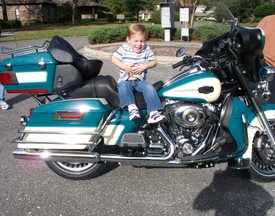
point(3, 103)
point(134, 58)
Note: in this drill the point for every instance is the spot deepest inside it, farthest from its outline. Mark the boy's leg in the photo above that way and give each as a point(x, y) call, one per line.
point(152, 101)
point(150, 96)
point(126, 95)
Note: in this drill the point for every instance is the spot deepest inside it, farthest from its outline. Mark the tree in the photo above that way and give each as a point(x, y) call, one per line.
point(243, 9)
point(132, 7)
point(116, 6)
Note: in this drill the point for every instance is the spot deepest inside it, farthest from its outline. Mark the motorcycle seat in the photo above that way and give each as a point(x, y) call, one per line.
point(64, 53)
point(106, 87)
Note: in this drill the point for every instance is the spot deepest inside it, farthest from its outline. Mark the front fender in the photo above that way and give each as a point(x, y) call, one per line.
point(254, 125)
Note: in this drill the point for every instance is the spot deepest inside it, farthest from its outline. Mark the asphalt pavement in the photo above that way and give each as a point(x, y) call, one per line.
point(29, 188)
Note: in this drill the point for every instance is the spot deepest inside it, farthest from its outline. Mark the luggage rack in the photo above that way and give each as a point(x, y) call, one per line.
point(24, 50)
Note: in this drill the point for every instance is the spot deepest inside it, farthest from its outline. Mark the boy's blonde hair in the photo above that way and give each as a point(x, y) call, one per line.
point(137, 28)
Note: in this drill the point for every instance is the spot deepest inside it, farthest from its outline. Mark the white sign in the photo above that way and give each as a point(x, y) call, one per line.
point(120, 16)
point(185, 32)
point(184, 14)
point(165, 17)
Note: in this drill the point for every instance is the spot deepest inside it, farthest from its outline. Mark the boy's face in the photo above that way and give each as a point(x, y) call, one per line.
point(137, 41)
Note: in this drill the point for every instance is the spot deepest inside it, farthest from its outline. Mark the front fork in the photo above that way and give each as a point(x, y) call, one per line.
point(256, 105)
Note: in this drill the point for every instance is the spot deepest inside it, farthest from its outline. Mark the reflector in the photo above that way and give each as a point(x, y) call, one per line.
point(30, 91)
point(68, 115)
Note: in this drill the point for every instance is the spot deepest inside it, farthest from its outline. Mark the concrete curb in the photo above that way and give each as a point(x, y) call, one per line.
point(94, 51)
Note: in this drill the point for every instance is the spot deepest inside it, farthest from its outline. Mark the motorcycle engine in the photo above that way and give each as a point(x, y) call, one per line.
point(189, 124)
point(189, 116)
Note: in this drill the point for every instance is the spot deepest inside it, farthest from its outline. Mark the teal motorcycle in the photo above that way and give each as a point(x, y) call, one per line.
point(216, 108)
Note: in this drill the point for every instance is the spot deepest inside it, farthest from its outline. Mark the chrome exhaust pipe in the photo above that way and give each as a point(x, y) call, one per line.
point(57, 156)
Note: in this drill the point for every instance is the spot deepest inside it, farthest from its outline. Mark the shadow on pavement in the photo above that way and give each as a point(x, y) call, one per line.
point(231, 194)
point(18, 99)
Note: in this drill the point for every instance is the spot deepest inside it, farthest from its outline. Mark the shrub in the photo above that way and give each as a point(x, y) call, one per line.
point(155, 31)
point(107, 34)
point(209, 31)
point(204, 32)
point(118, 33)
point(264, 10)
point(156, 17)
point(10, 24)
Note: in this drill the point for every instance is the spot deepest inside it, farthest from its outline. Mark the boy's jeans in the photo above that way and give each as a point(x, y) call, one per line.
point(126, 95)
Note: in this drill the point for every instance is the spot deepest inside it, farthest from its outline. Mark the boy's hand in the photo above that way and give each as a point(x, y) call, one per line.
point(128, 68)
point(138, 68)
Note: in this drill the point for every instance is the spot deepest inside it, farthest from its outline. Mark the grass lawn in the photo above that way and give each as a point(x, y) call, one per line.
point(48, 31)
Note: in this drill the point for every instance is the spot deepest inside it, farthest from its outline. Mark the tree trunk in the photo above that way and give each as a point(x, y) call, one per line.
point(137, 16)
point(74, 11)
point(4, 9)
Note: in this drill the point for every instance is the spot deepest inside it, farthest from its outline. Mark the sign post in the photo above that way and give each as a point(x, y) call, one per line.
point(185, 19)
point(167, 11)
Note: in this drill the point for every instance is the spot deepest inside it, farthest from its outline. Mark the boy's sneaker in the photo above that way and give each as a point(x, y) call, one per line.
point(4, 105)
point(155, 117)
point(134, 114)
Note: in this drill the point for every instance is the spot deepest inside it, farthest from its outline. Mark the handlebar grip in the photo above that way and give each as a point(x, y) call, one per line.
point(177, 64)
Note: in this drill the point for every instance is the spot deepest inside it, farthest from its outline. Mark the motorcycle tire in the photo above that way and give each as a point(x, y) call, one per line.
point(76, 171)
point(260, 170)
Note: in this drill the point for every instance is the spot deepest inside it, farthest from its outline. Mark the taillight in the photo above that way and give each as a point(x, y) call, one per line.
point(8, 78)
point(5, 78)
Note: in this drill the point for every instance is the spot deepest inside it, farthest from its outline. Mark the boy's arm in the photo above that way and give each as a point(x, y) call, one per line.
point(151, 64)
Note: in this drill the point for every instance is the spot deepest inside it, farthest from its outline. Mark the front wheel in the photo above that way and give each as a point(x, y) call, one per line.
point(262, 167)
point(76, 171)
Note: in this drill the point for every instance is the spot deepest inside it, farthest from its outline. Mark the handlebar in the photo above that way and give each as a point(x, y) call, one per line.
point(187, 61)
point(178, 64)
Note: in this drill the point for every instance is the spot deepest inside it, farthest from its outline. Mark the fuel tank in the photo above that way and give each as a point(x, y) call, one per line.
point(194, 87)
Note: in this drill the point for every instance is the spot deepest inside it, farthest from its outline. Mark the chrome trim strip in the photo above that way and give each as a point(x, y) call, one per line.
point(58, 132)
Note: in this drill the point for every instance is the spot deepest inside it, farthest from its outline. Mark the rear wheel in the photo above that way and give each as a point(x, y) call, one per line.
point(76, 171)
point(263, 160)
